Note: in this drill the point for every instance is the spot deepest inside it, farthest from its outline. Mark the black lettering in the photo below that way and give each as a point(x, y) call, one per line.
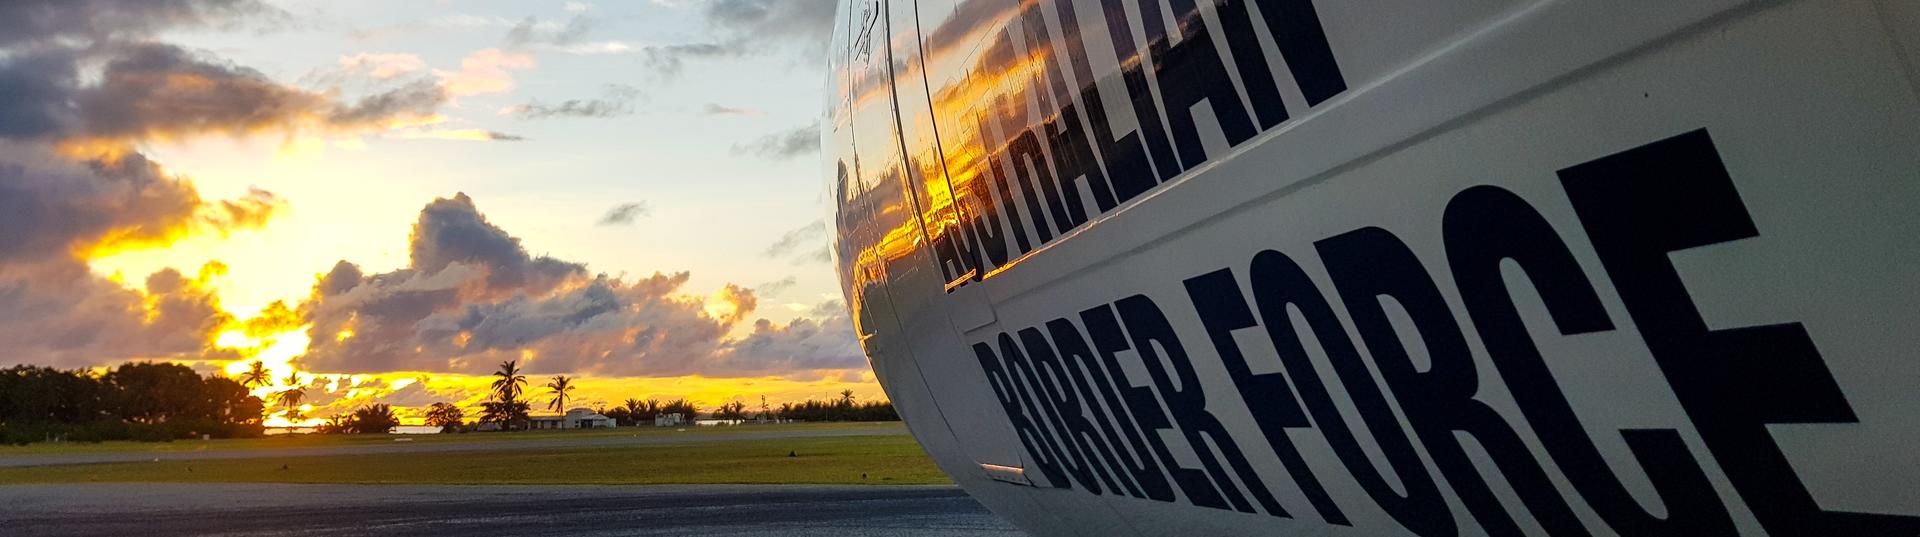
point(1189, 72)
point(1303, 43)
point(1263, 92)
point(1486, 226)
point(992, 156)
point(1187, 401)
point(1223, 309)
point(1079, 433)
point(1126, 161)
point(1277, 283)
point(1026, 389)
point(1145, 110)
point(1004, 391)
point(1637, 207)
point(1083, 368)
point(1030, 169)
point(1109, 340)
point(1072, 156)
point(1371, 263)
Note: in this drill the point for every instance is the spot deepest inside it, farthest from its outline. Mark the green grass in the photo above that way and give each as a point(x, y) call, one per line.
point(828, 460)
point(317, 440)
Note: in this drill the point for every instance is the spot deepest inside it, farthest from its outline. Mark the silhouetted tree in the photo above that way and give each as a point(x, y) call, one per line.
point(256, 375)
point(140, 401)
point(510, 382)
point(292, 396)
point(840, 409)
point(682, 406)
point(560, 387)
point(446, 416)
point(732, 410)
point(341, 424)
point(374, 419)
point(510, 415)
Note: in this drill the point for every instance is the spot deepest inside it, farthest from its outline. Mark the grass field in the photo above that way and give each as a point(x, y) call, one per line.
point(320, 440)
point(890, 459)
point(707, 455)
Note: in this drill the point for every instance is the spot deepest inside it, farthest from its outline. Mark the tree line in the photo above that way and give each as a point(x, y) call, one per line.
point(135, 401)
point(165, 401)
point(842, 409)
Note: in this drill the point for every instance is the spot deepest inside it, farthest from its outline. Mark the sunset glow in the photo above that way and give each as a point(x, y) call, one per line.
point(383, 203)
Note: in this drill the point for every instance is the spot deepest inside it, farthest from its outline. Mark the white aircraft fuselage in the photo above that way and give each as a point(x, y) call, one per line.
point(1392, 267)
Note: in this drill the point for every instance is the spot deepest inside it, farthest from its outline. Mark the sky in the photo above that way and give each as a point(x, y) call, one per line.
point(383, 200)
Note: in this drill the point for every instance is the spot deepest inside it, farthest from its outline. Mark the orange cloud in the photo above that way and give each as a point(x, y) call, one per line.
point(485, 71)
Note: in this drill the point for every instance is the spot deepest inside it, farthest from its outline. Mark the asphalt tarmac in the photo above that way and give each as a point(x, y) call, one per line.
point(161, 510)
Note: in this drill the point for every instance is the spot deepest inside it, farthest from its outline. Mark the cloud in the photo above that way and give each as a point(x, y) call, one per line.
point(824, 340)
point(807, 23)
point(485, 71)
point(618, 101)
point(471, 297)
point(29, 22)
point(58, 313)
point(716, 109)
point(790, 143)
point(797, 238)
point(51, 208)
point(366, 68)
point(156, 91)
point(85, 85)
point(55, 213)
point(624, 214)
point(777, 286)
point(531, 33)
point(667, 61)
point(745, 27)
point(457, 134)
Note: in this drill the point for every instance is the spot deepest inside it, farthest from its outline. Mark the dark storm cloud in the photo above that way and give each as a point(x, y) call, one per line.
point(53, 309)
point(156, 90)
point(38, 21)
point(617, 101)
point(790, 143)
point(82, 84)
point(624, 214)
point(51, 209)
point(453, 231)
point(58, 313)
point(449, 312)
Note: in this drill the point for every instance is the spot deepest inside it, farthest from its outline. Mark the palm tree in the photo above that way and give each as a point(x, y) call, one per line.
point(508, 415)
point(507, 386)
point(377, 418)
point(559, 387)
point(256, 375)
point(291, 398)
point(846, 397)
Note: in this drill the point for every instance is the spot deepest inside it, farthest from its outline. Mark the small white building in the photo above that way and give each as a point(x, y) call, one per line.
point(670, 419)
point(579, 418)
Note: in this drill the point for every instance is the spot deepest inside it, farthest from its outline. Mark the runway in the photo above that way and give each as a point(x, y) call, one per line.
point(161, 510)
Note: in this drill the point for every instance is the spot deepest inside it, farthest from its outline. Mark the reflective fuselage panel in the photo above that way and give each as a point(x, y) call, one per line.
point(1392, 267)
